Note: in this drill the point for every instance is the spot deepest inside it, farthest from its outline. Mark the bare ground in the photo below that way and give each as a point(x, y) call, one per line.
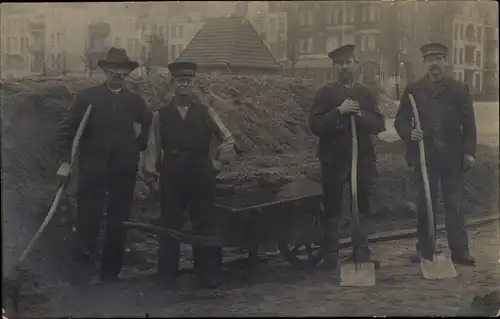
point(278, 289)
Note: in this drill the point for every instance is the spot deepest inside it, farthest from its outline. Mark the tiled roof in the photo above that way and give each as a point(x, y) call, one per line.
point(230, 40)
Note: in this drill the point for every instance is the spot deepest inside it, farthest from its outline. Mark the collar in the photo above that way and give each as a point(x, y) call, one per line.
point(348, 85)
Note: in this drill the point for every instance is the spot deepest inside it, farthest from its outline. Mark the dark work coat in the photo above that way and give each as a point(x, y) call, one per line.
point(446, 115)
point(109, 139)
point(335, 141)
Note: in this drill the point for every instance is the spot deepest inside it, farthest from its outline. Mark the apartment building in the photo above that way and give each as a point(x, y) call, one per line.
point(64, 38)
point(467, 56)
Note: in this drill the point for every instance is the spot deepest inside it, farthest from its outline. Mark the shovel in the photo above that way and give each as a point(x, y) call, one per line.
point(440, 266)
point(356, 274)
point(63, 172)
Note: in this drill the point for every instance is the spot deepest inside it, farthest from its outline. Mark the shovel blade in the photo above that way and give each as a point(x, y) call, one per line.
point(440, 267)
point(357, 275)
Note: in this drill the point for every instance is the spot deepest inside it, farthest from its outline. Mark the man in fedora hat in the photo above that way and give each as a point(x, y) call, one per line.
point(333, 104)
point(180, 151)
point(449, 134)
point(107, 164)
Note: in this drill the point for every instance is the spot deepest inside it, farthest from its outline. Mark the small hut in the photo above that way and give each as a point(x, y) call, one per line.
point(230, 45)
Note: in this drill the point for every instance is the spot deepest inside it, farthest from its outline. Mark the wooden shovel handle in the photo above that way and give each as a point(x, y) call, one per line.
point(354, 179)
point(425, 176)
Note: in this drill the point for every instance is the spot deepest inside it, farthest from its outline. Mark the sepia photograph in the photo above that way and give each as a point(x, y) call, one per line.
point(250, 158)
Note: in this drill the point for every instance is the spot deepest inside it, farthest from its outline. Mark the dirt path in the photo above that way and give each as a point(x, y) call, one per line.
point(279, 289)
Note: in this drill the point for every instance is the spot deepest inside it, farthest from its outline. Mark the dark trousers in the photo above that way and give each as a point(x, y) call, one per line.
point(332, 185)
point(119, 184)
point(451, 180)
point(197, 197)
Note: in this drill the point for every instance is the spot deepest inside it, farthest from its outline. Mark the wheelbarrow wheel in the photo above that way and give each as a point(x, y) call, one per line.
point(305, 256)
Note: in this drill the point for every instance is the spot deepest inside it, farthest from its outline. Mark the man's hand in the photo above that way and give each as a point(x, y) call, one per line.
point(349, 107)
point(469, 162)
point(416, 135)
point(64, 172)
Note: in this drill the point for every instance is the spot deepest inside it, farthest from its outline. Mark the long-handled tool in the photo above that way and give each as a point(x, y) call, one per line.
point(440, 266)
point(64, 172)
point(359, 274)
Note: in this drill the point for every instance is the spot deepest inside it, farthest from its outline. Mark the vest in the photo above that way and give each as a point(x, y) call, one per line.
point(186, 142)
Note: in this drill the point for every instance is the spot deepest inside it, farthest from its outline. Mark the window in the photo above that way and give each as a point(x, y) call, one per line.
point(478, 82)
point(351, 14)
point(372, 42)
point(272, 25)
point(455, 56)
point(364, 13)
point(58, 39)
point(332, 43)
point(461, 31)
point(478, 58)
point(302, 46)
point(455, 75)
point(348, 39)
point(479, 34)
point(282, 24)
point(180, 48)
point(173, 53)
point(118, 42)
point(309, 45)
point(302, 18)
point(309, 18)
point(160, 31)
point(173, 32)
point(136, 46)
point(461, 57)
point(52, 39)
point(329, 15)
point(180, 31)
point(130, 45)
point(455, 31)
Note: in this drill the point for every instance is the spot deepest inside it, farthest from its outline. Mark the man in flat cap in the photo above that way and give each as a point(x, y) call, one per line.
point(333, 104)
point(180, 152)
point(449, 133)
point(108, 160)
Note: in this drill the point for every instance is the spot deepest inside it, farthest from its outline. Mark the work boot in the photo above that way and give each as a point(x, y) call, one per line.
point(330, 245)
point(210, 280)
point(330, 263)
point(464, 259)
point(363, 255)
point(108, 278)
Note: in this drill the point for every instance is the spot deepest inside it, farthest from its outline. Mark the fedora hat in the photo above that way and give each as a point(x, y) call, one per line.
point(117, 58)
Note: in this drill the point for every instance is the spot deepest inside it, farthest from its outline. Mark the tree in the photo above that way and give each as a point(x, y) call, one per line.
point(87, 56)
point(293, 41)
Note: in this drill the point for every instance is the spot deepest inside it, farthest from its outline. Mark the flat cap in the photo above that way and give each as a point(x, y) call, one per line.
point(183, 68)
point(342, 53)
point(434, 48)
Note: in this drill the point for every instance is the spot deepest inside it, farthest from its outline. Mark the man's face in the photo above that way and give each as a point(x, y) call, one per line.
point(435, 64)
point(345, 69)
point(116, 76)
point(183, 85)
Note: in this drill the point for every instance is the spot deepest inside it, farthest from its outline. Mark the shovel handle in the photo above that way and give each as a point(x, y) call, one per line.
point(425, 176)
point(60, 191)
point(354, 179)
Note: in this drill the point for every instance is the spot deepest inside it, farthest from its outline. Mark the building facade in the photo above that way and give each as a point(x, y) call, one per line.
point(62, 38)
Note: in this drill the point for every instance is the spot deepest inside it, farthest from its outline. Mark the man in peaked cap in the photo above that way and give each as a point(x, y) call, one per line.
point(333, 104)
point(449, 134)
point(180, 152)
point(107, 164)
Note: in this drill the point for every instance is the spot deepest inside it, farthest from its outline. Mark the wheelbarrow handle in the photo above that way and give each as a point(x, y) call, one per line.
point(425, 176)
